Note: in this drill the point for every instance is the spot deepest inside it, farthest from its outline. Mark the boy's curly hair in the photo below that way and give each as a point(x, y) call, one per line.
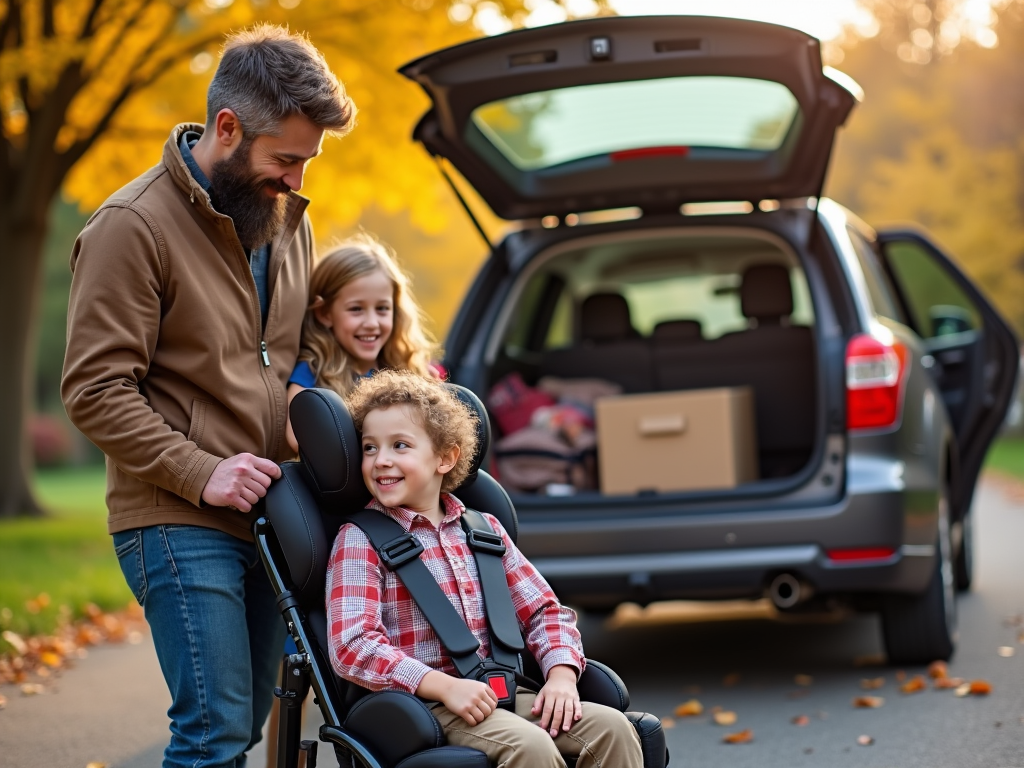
point(447, 421)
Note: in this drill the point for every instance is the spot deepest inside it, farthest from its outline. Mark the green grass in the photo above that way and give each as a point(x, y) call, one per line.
point(1007, 456)
point(67, 555)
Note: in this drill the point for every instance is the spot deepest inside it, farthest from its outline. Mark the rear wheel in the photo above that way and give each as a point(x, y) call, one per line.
point(963, 563)
point(919, 629)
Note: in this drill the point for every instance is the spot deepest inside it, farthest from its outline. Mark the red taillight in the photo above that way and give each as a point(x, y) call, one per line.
point(874, 382)
point(860, 555)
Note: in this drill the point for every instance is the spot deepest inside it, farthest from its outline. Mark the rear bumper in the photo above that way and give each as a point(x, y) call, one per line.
point(692, 563)
point(719, 574)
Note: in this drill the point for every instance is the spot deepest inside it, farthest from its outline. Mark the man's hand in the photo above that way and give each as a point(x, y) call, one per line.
point(239, 482)
point(558, 700)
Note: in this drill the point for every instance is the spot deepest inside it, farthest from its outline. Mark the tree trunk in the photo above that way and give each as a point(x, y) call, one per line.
point(20, 290)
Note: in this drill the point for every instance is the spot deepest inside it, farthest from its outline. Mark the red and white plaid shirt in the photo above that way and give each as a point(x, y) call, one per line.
point(380, 639)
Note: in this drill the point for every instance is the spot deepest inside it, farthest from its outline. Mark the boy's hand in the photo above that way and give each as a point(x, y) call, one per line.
point(471, 700)
point(558, 700)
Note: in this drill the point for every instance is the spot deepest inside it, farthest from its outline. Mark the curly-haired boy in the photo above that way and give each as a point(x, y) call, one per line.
point(418, 442)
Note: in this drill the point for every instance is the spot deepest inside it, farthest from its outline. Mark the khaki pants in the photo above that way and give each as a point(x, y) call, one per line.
point(602, 738)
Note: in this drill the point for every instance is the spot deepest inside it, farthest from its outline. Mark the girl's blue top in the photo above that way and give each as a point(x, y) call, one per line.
point(303, 375)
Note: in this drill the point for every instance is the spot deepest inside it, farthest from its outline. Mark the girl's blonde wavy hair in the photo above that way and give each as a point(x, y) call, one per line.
point(409, 348)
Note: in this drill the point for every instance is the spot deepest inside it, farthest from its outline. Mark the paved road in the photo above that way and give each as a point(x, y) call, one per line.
point(110, 709)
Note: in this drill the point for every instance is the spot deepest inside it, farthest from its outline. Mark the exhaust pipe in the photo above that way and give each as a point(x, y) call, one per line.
point(786, 591)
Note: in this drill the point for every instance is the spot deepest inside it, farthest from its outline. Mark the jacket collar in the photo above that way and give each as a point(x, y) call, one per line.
point(194, 191)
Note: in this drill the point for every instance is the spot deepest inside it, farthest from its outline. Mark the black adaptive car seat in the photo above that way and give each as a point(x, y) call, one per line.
point(302, 514)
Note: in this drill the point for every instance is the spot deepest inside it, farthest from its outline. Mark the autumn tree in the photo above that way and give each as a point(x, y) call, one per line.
point(89, 90)
point(936, 141)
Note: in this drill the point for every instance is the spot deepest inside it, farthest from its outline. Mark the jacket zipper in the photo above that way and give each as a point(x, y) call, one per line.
point(264, 353)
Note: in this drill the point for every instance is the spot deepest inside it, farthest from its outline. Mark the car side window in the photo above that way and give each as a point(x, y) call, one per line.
point(937, 304)
point(880, 290)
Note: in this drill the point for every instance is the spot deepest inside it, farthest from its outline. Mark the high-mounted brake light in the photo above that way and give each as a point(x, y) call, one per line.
point(875, 374)
point(644, 152)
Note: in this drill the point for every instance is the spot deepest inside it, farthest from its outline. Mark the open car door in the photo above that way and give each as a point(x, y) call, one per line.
point(651, 112)
point(974, 354)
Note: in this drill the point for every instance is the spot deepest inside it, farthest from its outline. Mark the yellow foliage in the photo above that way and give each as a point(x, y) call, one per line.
point(118, 74)
point(968, 198)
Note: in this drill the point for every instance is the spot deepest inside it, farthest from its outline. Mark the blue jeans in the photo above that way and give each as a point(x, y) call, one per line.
point(218, 637)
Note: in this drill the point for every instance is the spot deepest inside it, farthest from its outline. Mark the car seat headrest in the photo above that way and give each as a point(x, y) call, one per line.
point(329, 447)
point(766, 293)
point(483, 429)
point(677, 331)
point(605, 317)
point(331, 451)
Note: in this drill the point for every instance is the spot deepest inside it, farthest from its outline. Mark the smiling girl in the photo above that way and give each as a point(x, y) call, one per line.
point(362, 317)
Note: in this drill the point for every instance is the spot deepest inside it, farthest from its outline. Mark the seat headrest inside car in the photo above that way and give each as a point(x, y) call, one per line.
point(604, 317)
point(673, 331)
point(330, 448)
point(766, 293)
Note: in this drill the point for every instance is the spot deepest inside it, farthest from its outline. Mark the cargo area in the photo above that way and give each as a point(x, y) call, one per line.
point(622, 316)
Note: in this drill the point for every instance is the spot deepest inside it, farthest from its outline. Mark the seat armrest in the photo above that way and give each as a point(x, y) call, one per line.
point(652, 738)
point(601, 685)
point(394, 725)
point(339, 737)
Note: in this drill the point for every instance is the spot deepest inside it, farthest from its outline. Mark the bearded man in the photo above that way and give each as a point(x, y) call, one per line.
point(190, 285)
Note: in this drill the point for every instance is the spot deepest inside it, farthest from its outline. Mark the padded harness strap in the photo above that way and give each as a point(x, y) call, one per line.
point(488, 550)
point(400, 552)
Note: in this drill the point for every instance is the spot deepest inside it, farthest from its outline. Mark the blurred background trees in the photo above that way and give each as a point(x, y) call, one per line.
point(89, 90)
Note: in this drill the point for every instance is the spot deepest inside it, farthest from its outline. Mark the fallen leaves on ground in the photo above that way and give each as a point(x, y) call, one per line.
point(724, 717)
point(3, 701)
point(731, 679)
point(1006, 651)
point(868, 702)
point(96, 765)
point(801, 720)
point(938, 670)
point(31, 689)
point(1020, 638)
point(46, 655)
point(740, 737)
point(900, 675)
point(690, 708)
point(943, 683)
point(668, 722)
point(916, 684)
point(803, 680)
point(872, 683)
point(865, 741)
point(974, 688)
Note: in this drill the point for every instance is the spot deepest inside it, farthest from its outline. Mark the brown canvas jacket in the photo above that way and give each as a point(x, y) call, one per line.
point(166, 366)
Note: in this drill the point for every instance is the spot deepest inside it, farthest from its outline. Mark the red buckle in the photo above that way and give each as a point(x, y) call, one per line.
point(497, 683)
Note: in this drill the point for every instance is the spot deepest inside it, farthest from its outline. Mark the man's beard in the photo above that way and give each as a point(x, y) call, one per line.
point(237, 193)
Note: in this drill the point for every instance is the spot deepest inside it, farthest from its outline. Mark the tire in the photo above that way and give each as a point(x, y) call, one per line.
point(963, 563)
point(919, 629)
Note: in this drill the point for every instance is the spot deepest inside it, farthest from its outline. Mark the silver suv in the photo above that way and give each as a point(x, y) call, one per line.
point(664, 174)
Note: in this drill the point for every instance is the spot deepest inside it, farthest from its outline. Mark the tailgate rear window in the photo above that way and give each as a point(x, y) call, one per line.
point(627, 120)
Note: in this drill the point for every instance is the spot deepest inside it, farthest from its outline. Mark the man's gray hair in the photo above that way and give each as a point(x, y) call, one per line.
point(267, 74)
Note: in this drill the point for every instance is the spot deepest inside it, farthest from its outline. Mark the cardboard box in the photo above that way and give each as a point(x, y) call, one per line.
point(698, 439)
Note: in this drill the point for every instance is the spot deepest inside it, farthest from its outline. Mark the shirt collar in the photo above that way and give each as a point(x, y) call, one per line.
point(406, 517)
point(188, 140)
